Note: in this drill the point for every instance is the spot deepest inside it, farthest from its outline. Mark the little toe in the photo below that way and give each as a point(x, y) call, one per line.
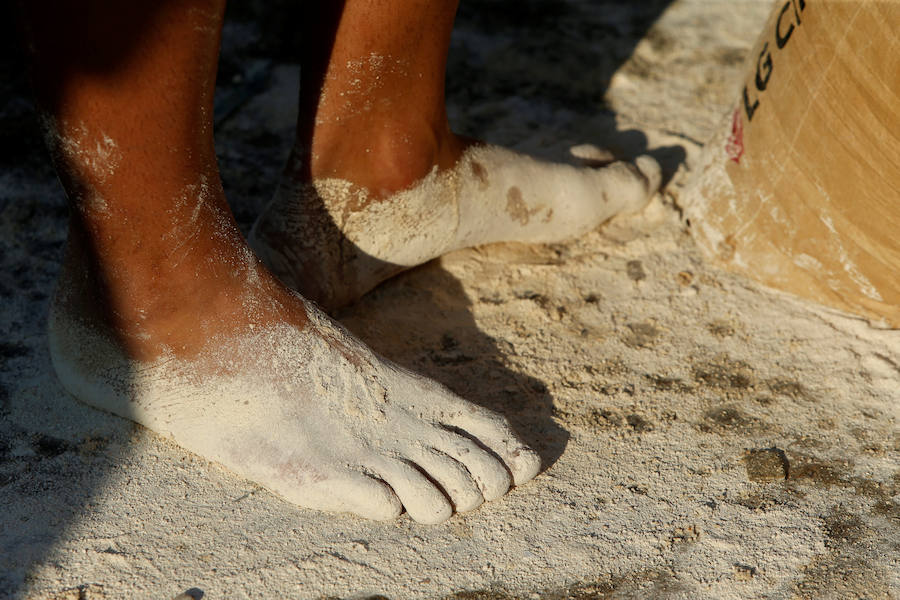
point(424, 502)
point(494, 432)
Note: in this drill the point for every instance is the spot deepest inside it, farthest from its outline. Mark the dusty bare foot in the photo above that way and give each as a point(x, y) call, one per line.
point(163, 314)
point(244, 372)
point(334, 239)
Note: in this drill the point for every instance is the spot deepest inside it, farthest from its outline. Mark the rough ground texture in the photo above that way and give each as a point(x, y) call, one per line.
point(702, 437)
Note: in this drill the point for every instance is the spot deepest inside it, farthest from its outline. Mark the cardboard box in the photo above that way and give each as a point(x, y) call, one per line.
point(801, 187)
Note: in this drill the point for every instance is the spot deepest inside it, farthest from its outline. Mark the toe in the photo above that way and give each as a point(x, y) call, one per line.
point(423, 501)
point(526, 464)
point(494, 432)
point(452, 476)
point(350, 492)
point(629, 186)
point(591, 155)
point(490, 474)
point(650, 170)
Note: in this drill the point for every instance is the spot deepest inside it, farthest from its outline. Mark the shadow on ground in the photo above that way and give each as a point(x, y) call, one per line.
point(518, 66)
point(422, 320)
point(54, 453)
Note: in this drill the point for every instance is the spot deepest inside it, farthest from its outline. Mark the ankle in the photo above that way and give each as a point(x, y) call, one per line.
point(383, 159)
point(151, 310)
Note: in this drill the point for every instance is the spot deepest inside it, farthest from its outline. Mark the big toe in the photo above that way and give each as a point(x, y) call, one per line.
point(349, 492)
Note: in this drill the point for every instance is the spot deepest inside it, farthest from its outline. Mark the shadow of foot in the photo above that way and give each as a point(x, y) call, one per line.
point(422, 320)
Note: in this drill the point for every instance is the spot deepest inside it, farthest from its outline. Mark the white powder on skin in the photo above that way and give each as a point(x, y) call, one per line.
point(90, 154)
point(334, 243)
point(369, 75)
point(305, 410)
point(308, 412)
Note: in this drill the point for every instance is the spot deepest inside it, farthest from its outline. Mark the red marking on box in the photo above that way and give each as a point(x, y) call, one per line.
point(735, 145)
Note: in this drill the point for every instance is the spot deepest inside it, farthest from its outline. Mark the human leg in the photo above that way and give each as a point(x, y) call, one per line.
point(377, 182)
point(163, 315)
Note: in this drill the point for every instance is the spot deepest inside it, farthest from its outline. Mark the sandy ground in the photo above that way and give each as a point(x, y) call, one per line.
point(702, 437)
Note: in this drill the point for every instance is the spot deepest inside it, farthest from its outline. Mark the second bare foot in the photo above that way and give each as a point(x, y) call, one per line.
point(334, 240)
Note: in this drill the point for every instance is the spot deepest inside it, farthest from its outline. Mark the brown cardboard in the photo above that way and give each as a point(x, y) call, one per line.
point(801, 188)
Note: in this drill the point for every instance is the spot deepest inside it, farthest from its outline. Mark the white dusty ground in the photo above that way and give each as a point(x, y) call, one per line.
point(702, 437)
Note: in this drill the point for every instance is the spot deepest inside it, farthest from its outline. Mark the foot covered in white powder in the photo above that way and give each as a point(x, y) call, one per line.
point(333, 239)
point(255, 378)
point(163, 315)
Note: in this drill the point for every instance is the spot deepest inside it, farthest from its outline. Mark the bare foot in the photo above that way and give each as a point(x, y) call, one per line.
point(286, 397)
point(334, 239)
point(163, 314)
